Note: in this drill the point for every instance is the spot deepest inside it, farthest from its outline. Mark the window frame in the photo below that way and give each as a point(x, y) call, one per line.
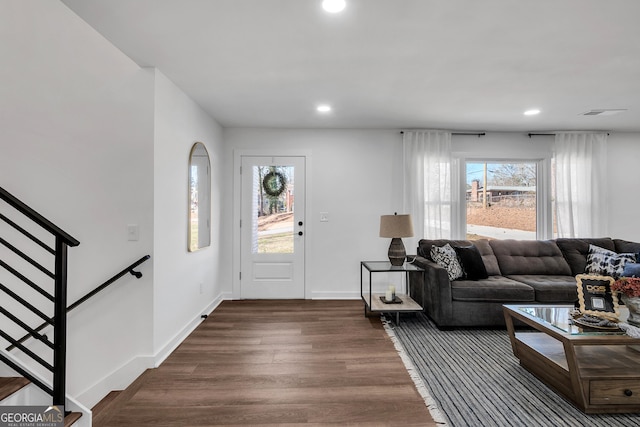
point(544, 200)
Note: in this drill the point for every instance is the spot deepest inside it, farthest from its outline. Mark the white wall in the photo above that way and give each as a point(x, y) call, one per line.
point(96, 143)
point(623, 158)
point(76, 135)
point(501, 145)
point(354, 176)
point(186, 284)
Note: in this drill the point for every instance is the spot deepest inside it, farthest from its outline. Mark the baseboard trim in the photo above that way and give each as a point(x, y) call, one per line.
point(162, 354)
point(119, 379)
point(124, 375)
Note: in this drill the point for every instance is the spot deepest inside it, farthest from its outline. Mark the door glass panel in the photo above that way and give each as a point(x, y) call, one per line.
point(273, 203)
point(501, 200)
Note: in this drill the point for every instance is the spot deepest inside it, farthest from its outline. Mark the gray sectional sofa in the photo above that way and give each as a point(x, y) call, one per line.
point(517, 271)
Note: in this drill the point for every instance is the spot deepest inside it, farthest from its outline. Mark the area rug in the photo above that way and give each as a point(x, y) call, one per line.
point(471, 378)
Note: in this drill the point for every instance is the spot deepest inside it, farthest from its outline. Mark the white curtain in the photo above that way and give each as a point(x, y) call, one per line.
point(428, 195)
point(580, 184)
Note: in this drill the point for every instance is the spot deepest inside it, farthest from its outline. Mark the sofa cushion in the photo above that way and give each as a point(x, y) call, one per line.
point(494, 288)
point(550, 289)
point(529, 257)
point(607, 263)
point(446, 257)
point(488, 257)
point(575, 251)
point(472, 264)
point(624, 246)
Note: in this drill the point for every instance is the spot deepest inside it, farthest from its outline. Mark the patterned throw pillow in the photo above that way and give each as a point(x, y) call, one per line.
point(631, 269)
point(607, 263)
point(446, 257)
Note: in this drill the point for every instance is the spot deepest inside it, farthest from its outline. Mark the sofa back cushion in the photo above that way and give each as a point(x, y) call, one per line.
point(529, 257)
point(575, 251)
point(624, 246)
point(424, 246)
point(489, 258)
point(490, 261)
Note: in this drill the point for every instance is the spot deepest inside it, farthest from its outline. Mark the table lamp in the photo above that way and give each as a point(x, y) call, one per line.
point(396, 226)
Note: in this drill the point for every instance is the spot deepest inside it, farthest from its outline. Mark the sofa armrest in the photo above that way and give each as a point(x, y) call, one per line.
point(435, 292)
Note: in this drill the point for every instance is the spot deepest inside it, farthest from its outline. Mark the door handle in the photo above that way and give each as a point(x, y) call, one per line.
point(300, 233)
point(300, 223)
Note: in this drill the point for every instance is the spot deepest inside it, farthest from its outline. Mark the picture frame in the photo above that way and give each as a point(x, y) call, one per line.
point(595, 296)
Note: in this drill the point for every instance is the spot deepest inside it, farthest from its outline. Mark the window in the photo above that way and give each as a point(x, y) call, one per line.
point(506, 200)
point(273, 205)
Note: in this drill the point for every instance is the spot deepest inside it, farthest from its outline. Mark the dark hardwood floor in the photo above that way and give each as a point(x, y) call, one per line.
point(272, 362)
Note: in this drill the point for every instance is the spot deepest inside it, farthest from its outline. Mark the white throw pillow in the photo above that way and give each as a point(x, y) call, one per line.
point(446, 257)
point(607, 263)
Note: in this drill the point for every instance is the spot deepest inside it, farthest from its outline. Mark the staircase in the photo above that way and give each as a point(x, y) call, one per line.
point(10, 385)
point(15, 391)
point(32, 246)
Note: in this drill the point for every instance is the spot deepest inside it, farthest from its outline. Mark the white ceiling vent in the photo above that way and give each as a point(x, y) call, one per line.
point(603, 112)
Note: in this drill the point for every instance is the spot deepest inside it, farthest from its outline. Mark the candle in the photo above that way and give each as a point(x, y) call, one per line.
point(388, 296)
point(393, 291)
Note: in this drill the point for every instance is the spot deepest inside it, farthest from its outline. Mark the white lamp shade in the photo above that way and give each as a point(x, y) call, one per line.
point(396, 226)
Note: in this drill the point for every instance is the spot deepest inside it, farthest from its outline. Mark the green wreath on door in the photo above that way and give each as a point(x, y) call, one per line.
point(274, 183)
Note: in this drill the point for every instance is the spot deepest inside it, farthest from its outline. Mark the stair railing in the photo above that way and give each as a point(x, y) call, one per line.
point(35, 333)
point(63, 241)
point(59, 298)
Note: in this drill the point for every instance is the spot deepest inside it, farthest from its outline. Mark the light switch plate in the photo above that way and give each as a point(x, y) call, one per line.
point(133, 232)
point(324, 216)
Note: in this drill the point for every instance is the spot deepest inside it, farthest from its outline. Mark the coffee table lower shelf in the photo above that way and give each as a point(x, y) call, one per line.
point(608, 376)
point(376, 305)
point(598, 374)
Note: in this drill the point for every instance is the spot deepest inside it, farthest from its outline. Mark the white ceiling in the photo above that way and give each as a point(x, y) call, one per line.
point(446, 64)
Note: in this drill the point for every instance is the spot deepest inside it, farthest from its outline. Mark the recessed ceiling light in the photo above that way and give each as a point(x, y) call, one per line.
point(333, 6)
point(532, 112)
point(323, 108)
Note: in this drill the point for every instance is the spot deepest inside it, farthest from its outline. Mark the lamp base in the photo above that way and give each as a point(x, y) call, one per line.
point(397, 253)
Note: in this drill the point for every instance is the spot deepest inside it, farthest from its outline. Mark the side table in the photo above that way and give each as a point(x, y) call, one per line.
point(372, 301)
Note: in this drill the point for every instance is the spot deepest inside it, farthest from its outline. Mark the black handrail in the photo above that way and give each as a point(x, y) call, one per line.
point(126, 270)
point(59, 298)
point(37, 218)
point(129, 269)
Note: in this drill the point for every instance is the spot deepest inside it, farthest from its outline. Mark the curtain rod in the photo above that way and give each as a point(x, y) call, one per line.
point(546, 134)
point(478, 134)
point(540, 134)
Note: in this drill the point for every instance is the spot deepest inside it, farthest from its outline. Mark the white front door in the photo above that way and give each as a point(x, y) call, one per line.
point(272, 227)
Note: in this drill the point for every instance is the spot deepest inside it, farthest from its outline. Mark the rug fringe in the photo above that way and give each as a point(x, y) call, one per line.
point(415, 376)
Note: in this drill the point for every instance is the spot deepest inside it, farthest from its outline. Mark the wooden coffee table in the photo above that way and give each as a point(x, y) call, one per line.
point(596, 370)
